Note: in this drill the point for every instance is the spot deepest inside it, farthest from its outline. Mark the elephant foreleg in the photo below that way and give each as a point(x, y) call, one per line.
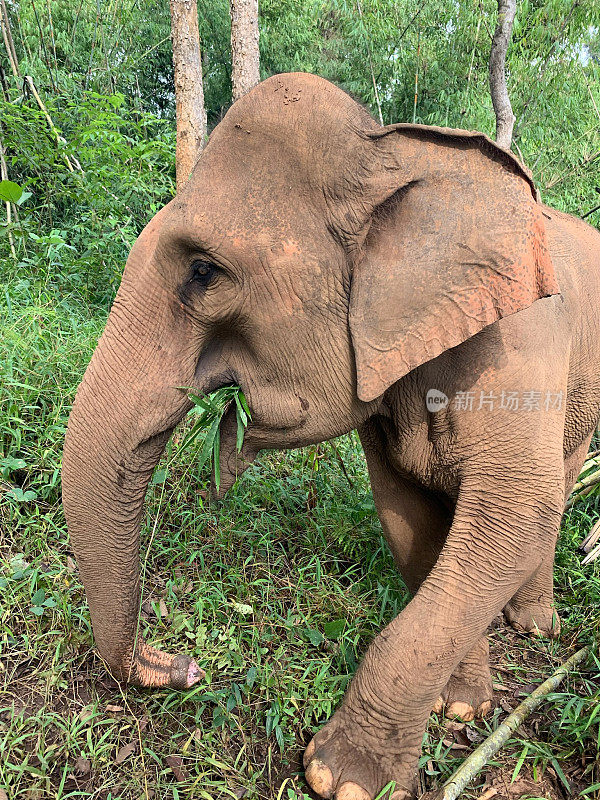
point(494, 545)
point(415, 525)
point(532, 609)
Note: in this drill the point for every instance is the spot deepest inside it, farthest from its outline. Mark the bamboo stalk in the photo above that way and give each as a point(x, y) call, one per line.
point(474, 49)
point(582, 488)
point(588, 479)
point(568, 173)
point(368, 47)
point(3, 85)
point(43, 43)
point(72, 37)
point(593, 555)
point(51, 125)
point(52, 39)
point(4, 177)
point(414, 119)
point(93, 48)
point(8, 39)
point(590, 460)
point(23, 38)
point(592, 539)
point(540, 86)
point(479, 757)
point(575, 498)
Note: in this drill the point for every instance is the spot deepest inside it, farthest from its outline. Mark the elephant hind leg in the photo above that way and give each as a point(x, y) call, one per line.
point(532, 610)
point(469, 692)
point(416, 525)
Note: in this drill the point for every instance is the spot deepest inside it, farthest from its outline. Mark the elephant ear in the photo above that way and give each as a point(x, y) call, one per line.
point(454, 240)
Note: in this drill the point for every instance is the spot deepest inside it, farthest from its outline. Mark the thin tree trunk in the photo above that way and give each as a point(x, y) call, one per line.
point(244, 46)
point(505, 119)
point(189, 93)
point(368, 46)
point(59, 139)
point(14, 65)
point(4, 177)
point(8, 40)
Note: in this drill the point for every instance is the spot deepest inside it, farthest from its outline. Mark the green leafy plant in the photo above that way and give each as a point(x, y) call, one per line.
point(210, 410)
point(11, 192)
point(11, 464)
point(39, 602)
point(21, 496)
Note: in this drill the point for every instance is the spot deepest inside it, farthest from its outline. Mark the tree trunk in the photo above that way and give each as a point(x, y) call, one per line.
point(189, 93)
point(244, 46)
point(505, 119)
point(8, 40)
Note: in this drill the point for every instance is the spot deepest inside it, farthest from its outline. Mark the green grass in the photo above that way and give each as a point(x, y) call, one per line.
point(276, 592)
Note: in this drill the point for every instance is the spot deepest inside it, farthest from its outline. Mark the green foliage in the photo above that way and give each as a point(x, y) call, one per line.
point(82, 223)
point(553, 73)
point(209, 412)
point(10, 192)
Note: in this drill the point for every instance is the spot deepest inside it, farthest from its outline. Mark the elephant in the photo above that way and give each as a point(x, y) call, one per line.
point(404, 281)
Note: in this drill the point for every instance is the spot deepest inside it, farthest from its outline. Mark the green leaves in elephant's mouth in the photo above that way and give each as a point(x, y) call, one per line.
point(210, 410)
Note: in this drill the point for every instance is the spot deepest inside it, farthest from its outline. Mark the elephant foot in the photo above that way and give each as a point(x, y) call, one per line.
point(348, 761)
point(465, 700)
point(537, 618)
point(469, 692)
point(153, 668)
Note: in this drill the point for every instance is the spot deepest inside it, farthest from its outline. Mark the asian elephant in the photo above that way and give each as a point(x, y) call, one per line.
point(404, 281)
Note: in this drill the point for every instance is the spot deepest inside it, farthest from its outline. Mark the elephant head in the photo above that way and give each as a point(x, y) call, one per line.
point(314, 258)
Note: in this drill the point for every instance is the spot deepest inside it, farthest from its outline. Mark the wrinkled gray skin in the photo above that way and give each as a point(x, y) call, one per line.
point(337, 271)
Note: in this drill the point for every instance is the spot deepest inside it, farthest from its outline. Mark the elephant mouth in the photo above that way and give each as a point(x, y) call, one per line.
point(221, 381)
point(272, 425)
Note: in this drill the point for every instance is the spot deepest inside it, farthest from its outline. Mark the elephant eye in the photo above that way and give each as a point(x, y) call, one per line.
point(203, 272)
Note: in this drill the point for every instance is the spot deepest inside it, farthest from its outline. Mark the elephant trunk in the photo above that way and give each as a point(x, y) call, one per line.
point(125, 410)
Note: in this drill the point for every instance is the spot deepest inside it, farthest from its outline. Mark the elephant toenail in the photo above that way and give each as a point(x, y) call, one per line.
point(320, 778)
point(484, 708)
point(438, 706)
point(461, 710)
point(351, 791)
point(309, 753)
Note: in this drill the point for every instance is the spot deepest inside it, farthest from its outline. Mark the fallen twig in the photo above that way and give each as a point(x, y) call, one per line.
point(592, 539)
point(593, 555)
point(584, 486)
point(479, 757)
point(581, 495)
